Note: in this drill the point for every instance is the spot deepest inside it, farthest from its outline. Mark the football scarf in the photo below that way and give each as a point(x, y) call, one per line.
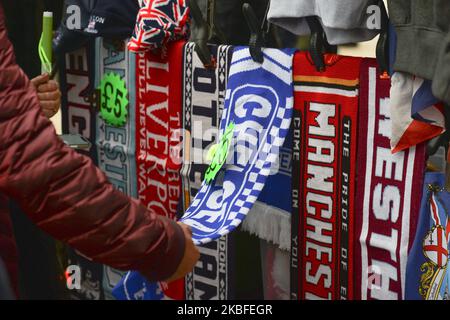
point(270, 216)
point(387, 195)
point(259, 103)
point(158, 153)
point(427, 273)
point(79, 117)
point(203, 101)
point(325, 131)
point(159, 22)
point(158, 129)
point(116, 145)
point(135, 287)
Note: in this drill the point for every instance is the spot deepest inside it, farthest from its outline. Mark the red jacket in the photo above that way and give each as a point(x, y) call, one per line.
point(65, 194)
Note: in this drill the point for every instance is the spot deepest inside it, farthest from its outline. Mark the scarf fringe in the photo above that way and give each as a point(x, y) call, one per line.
point(270, 224)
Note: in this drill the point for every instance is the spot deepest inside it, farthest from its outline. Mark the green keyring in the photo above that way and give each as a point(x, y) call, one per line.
point(219, 154)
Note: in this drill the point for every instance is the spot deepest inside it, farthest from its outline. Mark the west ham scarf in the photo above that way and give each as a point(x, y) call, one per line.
point(325, 131)
point(387, 195)
point(203, 101)
point(427, 272)
point(259, 103)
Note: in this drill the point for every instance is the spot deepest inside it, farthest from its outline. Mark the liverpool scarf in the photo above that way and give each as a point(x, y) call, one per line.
point(203, 101)
point(158, 152)
point(325, 132)
point(387, 199)
point(259, 103)
point(427, 271)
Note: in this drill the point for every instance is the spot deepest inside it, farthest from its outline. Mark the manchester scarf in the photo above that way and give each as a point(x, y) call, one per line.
point(387, 195)
point(259, 102)
point(325, 135)
point(427, 273)
point(203, 102)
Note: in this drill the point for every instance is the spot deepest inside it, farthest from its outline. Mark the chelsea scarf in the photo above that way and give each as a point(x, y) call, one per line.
point(203, 102)
point(259, 102)
point(427, 271)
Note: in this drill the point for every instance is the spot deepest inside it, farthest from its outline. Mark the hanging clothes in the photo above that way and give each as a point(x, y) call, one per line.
point(344, 21)
point(423, 47)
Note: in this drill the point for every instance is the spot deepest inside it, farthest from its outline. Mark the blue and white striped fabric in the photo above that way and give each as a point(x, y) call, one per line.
point(259, 100)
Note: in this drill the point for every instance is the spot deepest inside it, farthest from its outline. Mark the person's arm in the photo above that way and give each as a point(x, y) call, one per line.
point(71, 199)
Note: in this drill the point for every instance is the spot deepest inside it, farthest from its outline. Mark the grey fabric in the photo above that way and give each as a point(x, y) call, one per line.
point(344, 21)
point(422, 28)
point(441, 79)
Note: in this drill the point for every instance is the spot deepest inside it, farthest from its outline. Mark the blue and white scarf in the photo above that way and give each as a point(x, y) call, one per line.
point(259, 100)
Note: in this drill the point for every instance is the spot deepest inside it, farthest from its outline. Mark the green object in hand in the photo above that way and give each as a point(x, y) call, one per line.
point(113, 100)
point(220, 155)
point(45, 43)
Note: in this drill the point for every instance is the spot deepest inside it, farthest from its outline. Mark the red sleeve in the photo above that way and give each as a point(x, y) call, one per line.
point(66, 195)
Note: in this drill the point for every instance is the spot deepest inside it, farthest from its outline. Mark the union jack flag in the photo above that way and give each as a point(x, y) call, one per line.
point(158, 22)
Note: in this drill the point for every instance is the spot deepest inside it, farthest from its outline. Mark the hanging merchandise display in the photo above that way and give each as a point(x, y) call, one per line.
point(427, 273)
point(158, 23)
point(324, 176)
point(321, 156)
point(344, 21)
point(386, 196)
point(204, 91)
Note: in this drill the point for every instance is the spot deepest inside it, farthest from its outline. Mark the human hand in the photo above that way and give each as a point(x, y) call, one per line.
point(190, 257)
point(48, 93)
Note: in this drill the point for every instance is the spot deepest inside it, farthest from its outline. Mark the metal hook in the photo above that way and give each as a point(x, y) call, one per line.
point(318, 43)
point(257, 40)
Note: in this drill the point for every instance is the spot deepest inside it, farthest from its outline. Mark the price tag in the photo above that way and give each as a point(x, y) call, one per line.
point(113, 100)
